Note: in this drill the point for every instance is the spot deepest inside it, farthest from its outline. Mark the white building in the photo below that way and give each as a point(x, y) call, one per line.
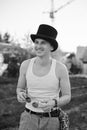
point(82, 54)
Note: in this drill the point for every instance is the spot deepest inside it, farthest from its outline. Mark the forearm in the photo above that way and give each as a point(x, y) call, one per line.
point(21, 86)
point(21, 95)
point(63, 100)
point(18, 90)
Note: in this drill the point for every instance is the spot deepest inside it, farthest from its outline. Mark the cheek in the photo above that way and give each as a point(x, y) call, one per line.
point(36, 47)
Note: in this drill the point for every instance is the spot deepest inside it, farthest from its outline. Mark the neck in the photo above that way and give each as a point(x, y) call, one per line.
point(43, 61)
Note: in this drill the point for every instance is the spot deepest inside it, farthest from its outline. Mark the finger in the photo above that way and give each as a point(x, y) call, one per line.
point(43, 105)
point(24, 95)
point(21, 98)
point(47, 110)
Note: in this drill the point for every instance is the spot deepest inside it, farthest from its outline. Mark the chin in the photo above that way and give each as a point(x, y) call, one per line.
point(40, 54)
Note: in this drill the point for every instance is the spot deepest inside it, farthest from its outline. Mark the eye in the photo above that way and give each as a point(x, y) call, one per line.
point(43, 42)
point(36, 42)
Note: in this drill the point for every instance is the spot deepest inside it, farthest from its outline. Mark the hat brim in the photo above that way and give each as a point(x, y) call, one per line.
point(52, 41)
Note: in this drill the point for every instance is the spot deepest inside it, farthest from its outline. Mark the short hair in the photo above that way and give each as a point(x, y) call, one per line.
point(71, 55)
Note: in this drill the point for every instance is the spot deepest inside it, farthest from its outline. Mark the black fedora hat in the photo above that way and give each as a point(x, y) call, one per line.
point(48, 33)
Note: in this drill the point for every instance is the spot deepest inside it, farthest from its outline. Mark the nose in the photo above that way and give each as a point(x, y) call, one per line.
point(38, 45)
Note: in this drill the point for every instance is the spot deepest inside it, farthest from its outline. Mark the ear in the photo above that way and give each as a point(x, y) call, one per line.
point(51, 48)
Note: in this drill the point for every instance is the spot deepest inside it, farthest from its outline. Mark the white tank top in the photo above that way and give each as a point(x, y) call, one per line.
point(41, 88)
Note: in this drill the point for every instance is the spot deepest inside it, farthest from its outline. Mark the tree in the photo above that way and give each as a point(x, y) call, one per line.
point(26, 41)
point(1, 37)
point(6, 37)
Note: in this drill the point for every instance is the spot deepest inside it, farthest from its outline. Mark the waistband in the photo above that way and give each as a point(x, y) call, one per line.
point(54, 113)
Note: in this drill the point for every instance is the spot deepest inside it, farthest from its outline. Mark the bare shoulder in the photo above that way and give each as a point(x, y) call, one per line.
point(60, 66)
point(24, 66)
point(61, 69)
point(25, 63)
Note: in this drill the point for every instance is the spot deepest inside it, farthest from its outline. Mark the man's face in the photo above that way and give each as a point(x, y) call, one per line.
point(42, 47)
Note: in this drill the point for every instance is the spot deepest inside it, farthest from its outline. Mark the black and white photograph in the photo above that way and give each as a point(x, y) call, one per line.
point(43, 64)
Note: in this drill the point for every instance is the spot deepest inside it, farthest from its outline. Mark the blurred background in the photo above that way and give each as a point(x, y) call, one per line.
point(20, 18)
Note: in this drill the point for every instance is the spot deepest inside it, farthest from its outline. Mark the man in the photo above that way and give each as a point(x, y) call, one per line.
point(40, 81)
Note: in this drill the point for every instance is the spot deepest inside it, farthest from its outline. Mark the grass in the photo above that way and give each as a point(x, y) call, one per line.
point(10, 109)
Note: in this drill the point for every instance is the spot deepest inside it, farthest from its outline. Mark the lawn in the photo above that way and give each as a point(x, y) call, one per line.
point(10, 109)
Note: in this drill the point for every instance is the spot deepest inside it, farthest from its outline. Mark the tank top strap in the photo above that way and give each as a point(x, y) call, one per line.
point(29, 70)
point(53, 67)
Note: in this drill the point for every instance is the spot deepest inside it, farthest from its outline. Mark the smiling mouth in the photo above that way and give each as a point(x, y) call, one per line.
point(39, 50)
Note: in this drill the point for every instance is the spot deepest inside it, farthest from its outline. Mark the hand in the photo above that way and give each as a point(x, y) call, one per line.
point(47, 105)
point(21, 96)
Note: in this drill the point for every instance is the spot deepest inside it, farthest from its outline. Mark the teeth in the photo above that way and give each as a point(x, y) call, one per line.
point(38, 50)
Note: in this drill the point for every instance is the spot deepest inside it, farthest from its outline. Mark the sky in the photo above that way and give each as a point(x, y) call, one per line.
point(20, 17)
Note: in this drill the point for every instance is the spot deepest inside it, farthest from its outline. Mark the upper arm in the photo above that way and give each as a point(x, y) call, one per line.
point(64, 80)
point(22, 75)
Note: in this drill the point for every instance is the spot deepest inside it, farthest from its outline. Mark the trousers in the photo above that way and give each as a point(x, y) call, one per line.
point(30, 121)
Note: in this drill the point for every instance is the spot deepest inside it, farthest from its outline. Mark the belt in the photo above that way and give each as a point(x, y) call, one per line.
point(54, 113)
